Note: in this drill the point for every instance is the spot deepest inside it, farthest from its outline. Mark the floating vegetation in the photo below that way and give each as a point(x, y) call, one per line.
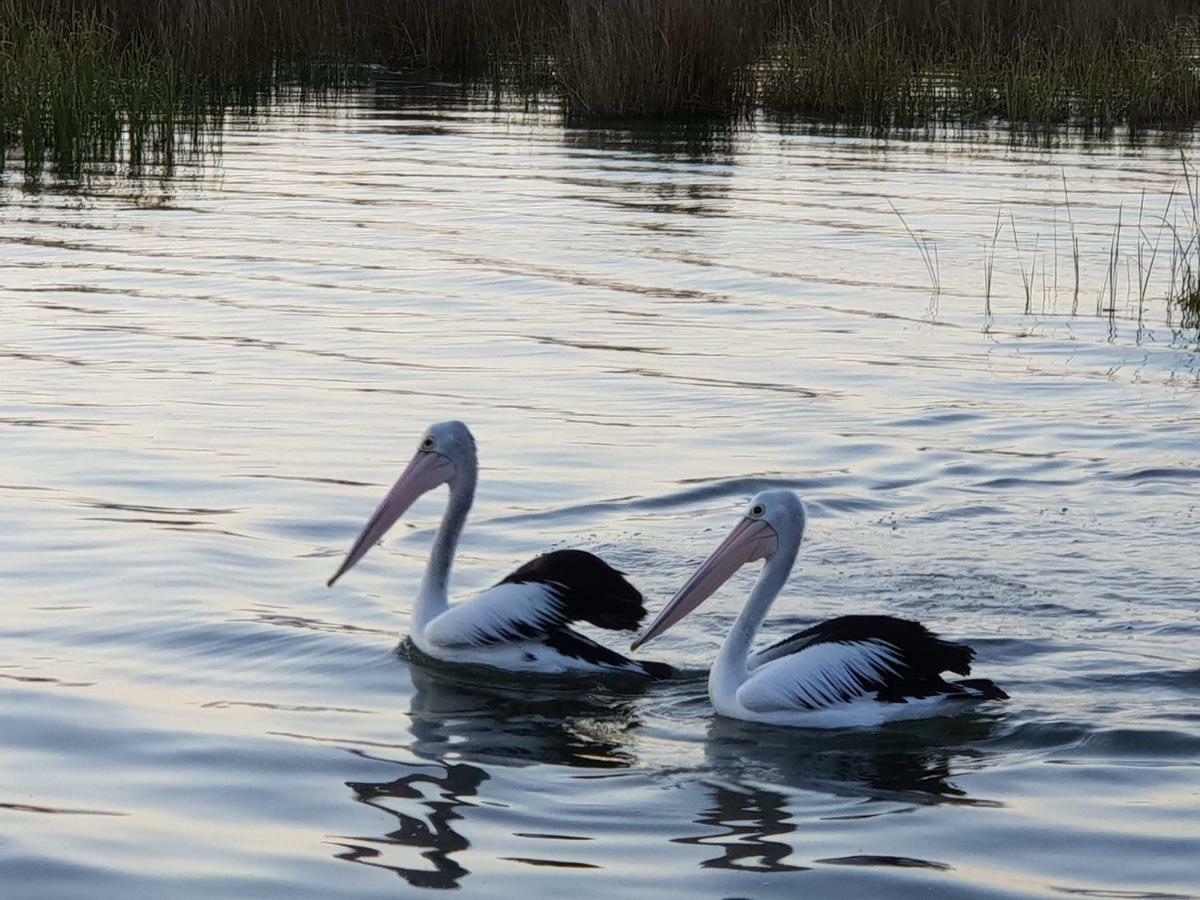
point(101, 79)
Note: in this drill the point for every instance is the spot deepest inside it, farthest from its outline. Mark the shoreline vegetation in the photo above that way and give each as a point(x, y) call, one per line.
point(136, 83)
point(84, 80)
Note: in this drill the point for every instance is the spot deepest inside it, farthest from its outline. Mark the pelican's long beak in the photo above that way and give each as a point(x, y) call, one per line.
point(750, 539)
point(426, 471)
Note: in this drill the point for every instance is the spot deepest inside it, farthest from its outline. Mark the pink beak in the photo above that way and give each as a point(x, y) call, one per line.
point(425, 472)
point(750, 539)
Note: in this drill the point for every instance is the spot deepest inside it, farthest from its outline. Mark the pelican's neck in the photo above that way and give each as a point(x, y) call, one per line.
point(730, 669)
point(433, 597)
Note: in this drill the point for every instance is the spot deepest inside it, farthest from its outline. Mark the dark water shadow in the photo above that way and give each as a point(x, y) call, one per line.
point(460, 727)
point(518, 722)
point(420, 99)
point(914, 762)
point(749, 821)
point(704, 139)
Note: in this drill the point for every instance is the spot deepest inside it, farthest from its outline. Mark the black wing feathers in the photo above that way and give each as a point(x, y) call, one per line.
point(923, 652)
point(589, 589)
point(570, 643)
point(922, 657)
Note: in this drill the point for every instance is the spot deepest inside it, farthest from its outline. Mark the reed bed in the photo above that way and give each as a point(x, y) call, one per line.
point(1095, 63)
point(614, 58)
point(73, 94)
point(84, 78)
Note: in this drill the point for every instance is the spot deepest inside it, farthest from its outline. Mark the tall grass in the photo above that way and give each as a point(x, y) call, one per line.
point(1154, 256)
point(658, 57)
point(90, 79)
point(901, 62)
point(230, 39)
point(1183, 222)
point(81, 77)
point(73, 94)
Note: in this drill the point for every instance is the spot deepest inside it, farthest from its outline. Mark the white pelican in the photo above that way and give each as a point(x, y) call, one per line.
point(848, 671)
point(519, 624)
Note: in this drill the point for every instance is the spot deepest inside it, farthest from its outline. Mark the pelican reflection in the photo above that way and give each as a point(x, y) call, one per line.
point(457, 728)
point(756, 826)
point(915, 762)
point(424, 823)
point(747, 819)
point(518, 722)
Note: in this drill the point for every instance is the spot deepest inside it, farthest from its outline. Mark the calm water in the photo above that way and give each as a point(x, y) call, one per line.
point(207, 382)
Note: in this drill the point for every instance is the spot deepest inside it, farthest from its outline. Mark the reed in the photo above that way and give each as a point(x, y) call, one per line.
point(232, 39)
point(1183, 222)
point(84, 77)
point(928, 250)
point(1096, 63)
point(69, 95)
point(1028, 273)
point(658, 57)
point(1159, 255)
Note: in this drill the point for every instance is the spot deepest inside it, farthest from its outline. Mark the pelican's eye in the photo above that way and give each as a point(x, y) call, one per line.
point(428, 443)
point(756, 511)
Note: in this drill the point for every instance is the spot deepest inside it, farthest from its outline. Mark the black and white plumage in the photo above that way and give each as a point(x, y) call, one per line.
point(522, 623)
point(852, 670)
point(855, 657)
point(525, 618)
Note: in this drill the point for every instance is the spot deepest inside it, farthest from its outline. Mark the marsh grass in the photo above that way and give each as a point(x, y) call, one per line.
point(1153, 259)
point(927, 247)
point(84, 78)
point(94, 80)
point(73, 93)
point(658, 57)
point(70, 95)
point(1182, 221)
point(889, 63)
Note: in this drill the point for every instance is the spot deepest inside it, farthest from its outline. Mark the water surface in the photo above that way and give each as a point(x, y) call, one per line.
point(207, 381)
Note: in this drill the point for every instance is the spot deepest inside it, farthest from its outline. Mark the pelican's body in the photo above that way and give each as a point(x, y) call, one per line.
point(848, 671)
point(521, 624)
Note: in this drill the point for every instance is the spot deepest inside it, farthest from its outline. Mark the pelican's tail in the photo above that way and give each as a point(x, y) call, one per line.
point(655, 669)
point(982, 688)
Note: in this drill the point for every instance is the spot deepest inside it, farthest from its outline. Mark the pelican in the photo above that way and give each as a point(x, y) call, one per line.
point(848, 671)
point(521, 623)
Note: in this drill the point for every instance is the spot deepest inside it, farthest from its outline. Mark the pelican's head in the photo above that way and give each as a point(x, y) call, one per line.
point(772, 524)
point(446, 452)
point(453, 441)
